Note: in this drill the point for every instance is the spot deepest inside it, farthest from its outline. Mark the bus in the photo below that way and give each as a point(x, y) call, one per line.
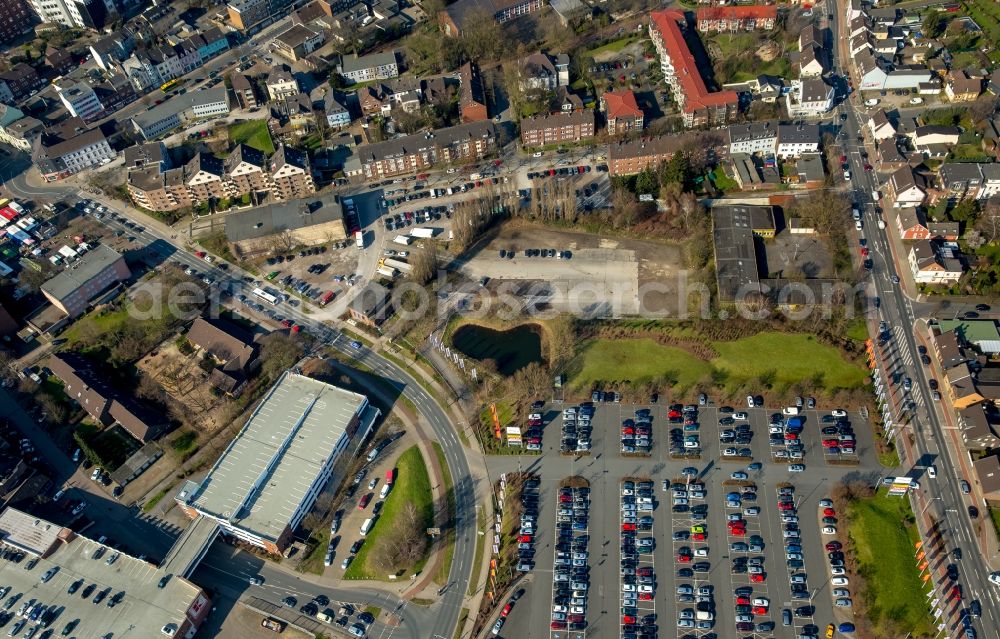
point(169, 84)
point(267, 297)
point(323, 301)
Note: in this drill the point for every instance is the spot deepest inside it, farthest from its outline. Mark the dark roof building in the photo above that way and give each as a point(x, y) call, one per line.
point(229, 344)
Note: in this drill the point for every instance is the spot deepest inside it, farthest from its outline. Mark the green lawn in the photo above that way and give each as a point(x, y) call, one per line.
point(793, 357)
point(413, 486)
point(613, 46)
point(781, 357)
point(894, 594)
point(252, 133)
point(636, 361)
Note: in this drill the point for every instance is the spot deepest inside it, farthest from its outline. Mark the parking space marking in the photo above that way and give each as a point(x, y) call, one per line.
point(752, 534)
point(799, 622)
point(643, 560)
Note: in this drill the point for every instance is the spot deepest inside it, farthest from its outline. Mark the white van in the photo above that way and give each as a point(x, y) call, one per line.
point(871, 101)
point(790, 410)
point(932, 471)
point(366, 526)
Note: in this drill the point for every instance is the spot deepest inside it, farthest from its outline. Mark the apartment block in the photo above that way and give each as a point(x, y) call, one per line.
point(557, 128)
point(462, 143)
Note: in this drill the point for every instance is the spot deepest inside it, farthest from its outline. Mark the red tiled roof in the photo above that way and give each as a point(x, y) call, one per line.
point(697, 95)
point(620, 105)
point(757, 11)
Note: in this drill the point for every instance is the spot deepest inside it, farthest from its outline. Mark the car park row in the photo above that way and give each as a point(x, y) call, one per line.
point(637, 434)
point(695, 595)
point(752, 602)
point(685, 438)
point(638, 571)
point(571, 571)
point(576, 429)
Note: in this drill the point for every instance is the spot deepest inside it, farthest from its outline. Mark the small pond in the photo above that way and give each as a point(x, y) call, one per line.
point(512, 349)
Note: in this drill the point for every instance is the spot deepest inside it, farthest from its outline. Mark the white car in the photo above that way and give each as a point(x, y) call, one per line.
point(578, 610)
point(831, 530)
point(843, 602)
point(646, 588)
point(749, 401)
point(699, 552)
point(838, 412)
point(995, 578)
point(825, 503)
point(841, 592)
point(740, 416)
point(760, 601)
point(837, 571)
point(743, 618)
point(839, 581)
point(628, 588)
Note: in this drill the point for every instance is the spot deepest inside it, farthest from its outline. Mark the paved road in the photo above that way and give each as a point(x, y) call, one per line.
point(942, 496)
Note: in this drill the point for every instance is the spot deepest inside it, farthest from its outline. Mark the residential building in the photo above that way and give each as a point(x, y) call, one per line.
point(959, 87)
point(622, 112)
point(244, 91)
point(291, 175)
point(205, 178)
point(375, 66)
point(471, 97)
point(297, 42)
point(80, 100)
point(231, 346)
point(753, 137)
point(811, 97)
point(987, 471)
point(961, 386)
point(458, 15)
point(541, 71)
point(19, 133)
point(246, 169)
point(906, 188)
point(959, 181)
point(698, 105)
point(302, 428)
point(810, 63)
point(929, 266)
point(179, 109)
point(337, 115)
point(274, 227)
point(16, 19)
point(281, 84)
point(462, 143)
point(911, 224)
point(634, 156)
point(811, 174)
point(88, 386)
point(142, 156)
point(112, 49)
point(73, 289)
point(796, 139)
point(372, 306)
point(251, 16)
point(880, 126)
point(557, 128)
point(932, 134)
point(82, 14)
point(736, 18)
point(70, 148)
point(947, 231)
point(18, 82)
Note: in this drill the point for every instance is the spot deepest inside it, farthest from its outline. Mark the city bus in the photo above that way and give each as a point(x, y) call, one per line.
point(169, 84)
point(264, 295)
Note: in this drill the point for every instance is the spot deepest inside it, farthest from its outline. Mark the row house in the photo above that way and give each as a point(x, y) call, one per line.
point(880, 126)
point(458, 144)
point(471, 96)
point(968, 180)
point(736, 18)
point(557, 128)
point(906, 188)
point(682, 76)
point(19, 82)
point(634, 156)
point(772, 139)
point(157, 187)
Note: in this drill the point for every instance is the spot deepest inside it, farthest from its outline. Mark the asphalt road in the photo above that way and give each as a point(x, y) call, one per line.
point(942, 496)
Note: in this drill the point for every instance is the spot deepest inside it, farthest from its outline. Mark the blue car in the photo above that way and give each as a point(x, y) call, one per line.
point(846, 627)
point(356, 345)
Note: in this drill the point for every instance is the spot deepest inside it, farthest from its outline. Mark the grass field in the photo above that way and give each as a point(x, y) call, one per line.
point(413, 486)
point(784, 359)
point(252, 133)
point(613, 46)
point(449, 539)
point(894, 594)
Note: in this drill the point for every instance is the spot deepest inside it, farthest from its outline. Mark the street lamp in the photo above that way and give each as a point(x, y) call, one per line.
point(931, 501)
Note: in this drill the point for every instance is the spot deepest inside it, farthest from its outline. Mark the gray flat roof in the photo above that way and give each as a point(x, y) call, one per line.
point(178, 104)
point(735, 253)
point(27, 532)
point(281, 216)
point(352, 62)
point(80, 272)
point(280, 450)
point(143, 611)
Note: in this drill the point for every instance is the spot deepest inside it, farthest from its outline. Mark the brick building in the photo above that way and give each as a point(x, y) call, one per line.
point(556, 128)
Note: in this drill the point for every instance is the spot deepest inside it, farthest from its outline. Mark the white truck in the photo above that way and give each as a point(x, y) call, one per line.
point(405, 240)
point(359, 237)
point(387, 272)
point(425, 232)
point(397, 264)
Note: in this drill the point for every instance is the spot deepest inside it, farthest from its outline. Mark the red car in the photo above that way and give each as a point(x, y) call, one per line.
point(829, 512)
point(864, 251)
point(843, 159)
point(296, 328)
point(786, 506)
point(757, 579)
point(628, 619)
point(956, 592)
point(673, 413)
point(868, 167)
point(645, 596)
point(287, 323)
point(506, 610)
point(791, 437)
point(698, 536)
point(558, 625)
point(759, 610)
point(738, 532)
point(575, 618)
point(830, 443)
point(743, 601)
point(524, 539)
point(684, 559)
point(199, 254)
point(628, 527)
point(565, 499)
point(628, 430)
point(645, 571)
point(364, 501)
point(834, 545)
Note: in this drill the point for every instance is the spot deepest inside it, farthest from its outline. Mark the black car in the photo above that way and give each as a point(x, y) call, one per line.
point(952, 572)
point(975, 608)
point(982, 308)
point(973, 512)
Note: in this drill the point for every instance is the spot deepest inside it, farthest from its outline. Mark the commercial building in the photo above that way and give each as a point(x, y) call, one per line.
point(735, 253)
point(146, 608)
point(556, 128)
point(87, 385)
point(269, 476)
point(251, 16)
point(374, 66)
point(736, 18)
point(70, 148)
point(458, 15)
point(17, 83)
point(680, 71)
point(281, 226)
point(621, 112)
point(21, 134)
point(298, 42)
point(80, 100)
point(82, 14)
point(73, 289)
point(461, 143)
point(372, 305)
point(195, 105)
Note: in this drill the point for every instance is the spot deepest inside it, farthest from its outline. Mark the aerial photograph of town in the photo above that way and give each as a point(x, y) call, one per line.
point(500, 319)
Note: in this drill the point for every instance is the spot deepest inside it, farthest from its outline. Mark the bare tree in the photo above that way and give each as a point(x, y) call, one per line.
point(423, 263)
point(988, 223)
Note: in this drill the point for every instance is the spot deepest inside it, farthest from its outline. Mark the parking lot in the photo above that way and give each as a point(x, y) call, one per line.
point(723, 532)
